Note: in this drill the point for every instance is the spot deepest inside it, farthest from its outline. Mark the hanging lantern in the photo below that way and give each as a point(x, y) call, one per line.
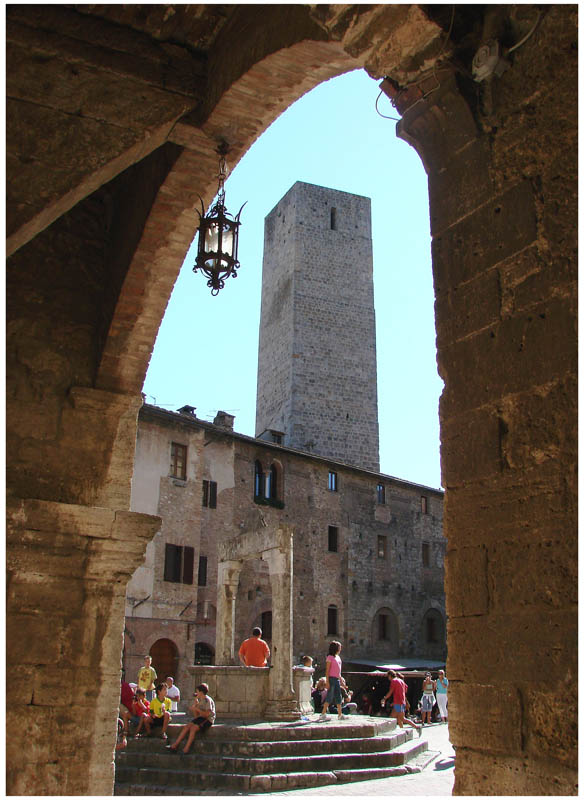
point(218, 237)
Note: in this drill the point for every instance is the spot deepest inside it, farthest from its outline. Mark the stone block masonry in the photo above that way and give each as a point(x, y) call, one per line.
point(317, 372)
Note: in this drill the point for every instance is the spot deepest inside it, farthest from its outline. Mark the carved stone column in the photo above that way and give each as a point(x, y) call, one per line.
point(282, 702)
point(67, 570)
point(227, 582)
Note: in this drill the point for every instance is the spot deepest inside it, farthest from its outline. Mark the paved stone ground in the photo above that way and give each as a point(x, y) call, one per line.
point(436, 780)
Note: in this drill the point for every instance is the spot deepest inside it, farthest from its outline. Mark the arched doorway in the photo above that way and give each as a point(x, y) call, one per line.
point(164, 654)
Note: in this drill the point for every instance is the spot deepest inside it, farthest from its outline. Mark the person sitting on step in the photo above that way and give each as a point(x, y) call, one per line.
point(160, 709)
point(141, 713)
point(203, 711)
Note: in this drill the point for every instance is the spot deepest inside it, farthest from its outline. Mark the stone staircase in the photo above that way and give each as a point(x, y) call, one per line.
point(249, 758)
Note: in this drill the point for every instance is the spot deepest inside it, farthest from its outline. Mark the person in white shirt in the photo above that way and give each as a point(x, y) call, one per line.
point(173, 693)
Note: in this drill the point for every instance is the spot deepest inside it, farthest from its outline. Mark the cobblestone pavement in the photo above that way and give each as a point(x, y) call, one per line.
point(436, 780)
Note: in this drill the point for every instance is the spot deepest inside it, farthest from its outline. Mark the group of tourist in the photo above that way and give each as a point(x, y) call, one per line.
point(148, 703)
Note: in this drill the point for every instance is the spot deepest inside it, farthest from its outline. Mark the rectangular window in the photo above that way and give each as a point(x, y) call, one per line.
point(202, 578)
point(178, 564)
point(381, 546)
point(210, 494)
point(425, 554)
point(333, 219)
point(178, 461)
point(380, 494)
point(333, 539)
point(332, 621)
point(424, 505)
point(332, 481)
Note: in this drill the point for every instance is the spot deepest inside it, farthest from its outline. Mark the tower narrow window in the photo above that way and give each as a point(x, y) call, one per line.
point(333, 219)
point(332, 621)
point(381, 546)
point(425, 554)
point(332, 481)
point(424, 504)
point(333, 539)
point(381, 494)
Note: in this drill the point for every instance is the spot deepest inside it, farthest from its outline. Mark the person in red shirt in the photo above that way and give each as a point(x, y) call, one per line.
point(254, 652)
point(397, 688)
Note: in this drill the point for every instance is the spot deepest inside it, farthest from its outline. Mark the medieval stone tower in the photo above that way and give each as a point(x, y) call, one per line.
point(317, 370)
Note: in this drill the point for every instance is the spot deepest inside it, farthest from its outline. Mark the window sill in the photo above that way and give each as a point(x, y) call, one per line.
point(268, 501)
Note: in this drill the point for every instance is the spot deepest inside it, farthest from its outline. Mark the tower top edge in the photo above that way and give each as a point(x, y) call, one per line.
point(317, 189)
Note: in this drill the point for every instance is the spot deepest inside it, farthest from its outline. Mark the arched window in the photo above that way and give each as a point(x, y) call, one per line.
point(385, 629)
point(258, 480)
point(272, 483)
point(203, 653)
point(433, 628)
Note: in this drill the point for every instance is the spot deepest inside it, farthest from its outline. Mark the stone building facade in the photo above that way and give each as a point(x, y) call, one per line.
point(317, 370)
point(114, 114)
point(368, 549)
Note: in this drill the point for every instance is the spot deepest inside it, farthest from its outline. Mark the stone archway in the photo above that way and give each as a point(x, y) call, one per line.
point(275, 547)
point(100, 93)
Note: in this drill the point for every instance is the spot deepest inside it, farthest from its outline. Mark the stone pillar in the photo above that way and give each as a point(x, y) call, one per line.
point(67, 570)
point(227, 582)
point(282, 702)
point(503, 212)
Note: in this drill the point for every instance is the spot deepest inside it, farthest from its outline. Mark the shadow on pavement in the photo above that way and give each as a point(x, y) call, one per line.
point(444, 763)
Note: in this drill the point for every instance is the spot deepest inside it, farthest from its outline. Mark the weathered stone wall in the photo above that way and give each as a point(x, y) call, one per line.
point(354, 579)
point(317, 368)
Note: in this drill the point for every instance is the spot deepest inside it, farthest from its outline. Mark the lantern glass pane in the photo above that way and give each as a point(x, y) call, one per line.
point(212, 238)
point(227, 242)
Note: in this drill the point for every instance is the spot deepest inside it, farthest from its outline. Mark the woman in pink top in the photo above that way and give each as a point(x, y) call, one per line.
point(333, 682)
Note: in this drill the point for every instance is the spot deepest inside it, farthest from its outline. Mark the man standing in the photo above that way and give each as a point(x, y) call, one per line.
point(254, 652)
point(146, 677)
point(442, 695)
point(173, 693)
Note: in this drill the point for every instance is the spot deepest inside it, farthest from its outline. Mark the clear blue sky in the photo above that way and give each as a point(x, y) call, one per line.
point(206, 351)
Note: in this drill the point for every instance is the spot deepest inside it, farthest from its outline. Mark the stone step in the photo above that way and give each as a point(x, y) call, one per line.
point(258, 757)
point(154, 746)
point(356, 726)
point(262, 766)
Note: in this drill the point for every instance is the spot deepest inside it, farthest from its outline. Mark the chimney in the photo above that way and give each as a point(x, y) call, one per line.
point(188, 410)
point(224, 420)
